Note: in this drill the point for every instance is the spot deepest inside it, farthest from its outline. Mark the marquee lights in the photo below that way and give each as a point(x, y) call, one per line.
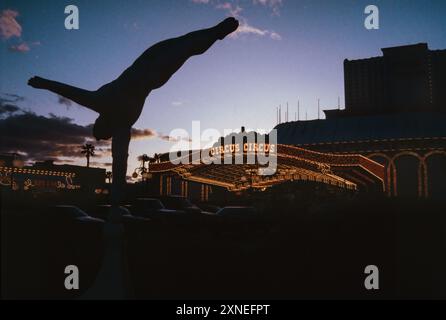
point(294, 164)
point(13, 170)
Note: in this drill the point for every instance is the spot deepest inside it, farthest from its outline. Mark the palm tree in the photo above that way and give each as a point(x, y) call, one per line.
point(108, 176)
point(156, 158)
point(144, 158)
point(88, 150)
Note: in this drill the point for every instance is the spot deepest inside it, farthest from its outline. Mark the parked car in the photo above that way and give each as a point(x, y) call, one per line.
point(150, 207)
point(179, 203)
point(70, 214)
point(102, 212)
point(70, 222)
point(238, 212)
point(206, 207)
point(238, 223)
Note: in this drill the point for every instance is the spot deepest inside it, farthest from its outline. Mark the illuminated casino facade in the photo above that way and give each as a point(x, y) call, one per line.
point(395, 114)
point(48, 177)
point(199, 180)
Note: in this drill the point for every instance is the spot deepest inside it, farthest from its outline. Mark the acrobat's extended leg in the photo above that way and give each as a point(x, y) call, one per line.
point(158, 63)
point(198, 42)
point(120, 149)
point(80, 96)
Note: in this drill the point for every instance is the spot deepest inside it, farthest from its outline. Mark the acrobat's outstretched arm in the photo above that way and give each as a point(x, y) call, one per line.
point(80, 96)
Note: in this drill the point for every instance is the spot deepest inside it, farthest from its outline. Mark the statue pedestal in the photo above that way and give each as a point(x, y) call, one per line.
point(112, 281)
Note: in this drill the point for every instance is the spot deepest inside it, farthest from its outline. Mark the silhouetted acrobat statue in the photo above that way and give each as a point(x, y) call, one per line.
point(120, 102)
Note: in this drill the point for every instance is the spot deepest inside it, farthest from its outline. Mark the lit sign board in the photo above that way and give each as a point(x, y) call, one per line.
point(247, 148)
point(43, 181)
point(68, 184)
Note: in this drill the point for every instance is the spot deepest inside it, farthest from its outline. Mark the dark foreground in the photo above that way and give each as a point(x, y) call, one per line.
point(316, 252)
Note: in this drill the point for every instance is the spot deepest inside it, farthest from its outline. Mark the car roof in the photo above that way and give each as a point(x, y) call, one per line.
point(173, 196)
point(63, 206)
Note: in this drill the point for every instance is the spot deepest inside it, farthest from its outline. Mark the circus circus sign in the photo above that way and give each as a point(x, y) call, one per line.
point(263, 148)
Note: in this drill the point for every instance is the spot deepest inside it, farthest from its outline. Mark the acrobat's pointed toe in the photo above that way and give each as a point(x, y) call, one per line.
point(227, 26)
point(37, 82)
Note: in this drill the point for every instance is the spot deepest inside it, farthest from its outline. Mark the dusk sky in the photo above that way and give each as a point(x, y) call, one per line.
point(286, 50)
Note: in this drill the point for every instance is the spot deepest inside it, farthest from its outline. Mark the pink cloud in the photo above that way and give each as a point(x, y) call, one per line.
point(245, 28)
point(274, 5)
point(139, 134)
point(23, 47)
point(9, 27)
point(232, 10)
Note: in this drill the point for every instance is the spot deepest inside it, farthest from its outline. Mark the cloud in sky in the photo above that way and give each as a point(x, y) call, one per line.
point(8, 104)
point(177, 103)
point(9, 27)
point(22, 47)
point(274, 5)
point(174, 139)
point(139, 134)
point(7, 109)
point(53, 137)
point(64, 101)
point(40, 137)
point(246, 28)
point(235, 10)
point(11, 97)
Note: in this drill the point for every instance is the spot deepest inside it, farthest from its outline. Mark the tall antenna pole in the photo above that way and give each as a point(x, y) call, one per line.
point(277, 115)
point(298, 110)
point(280, 113)
point(306, 115)
point(339, 103)
point(287, 113)
point(284, 114)
point(318, 109)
